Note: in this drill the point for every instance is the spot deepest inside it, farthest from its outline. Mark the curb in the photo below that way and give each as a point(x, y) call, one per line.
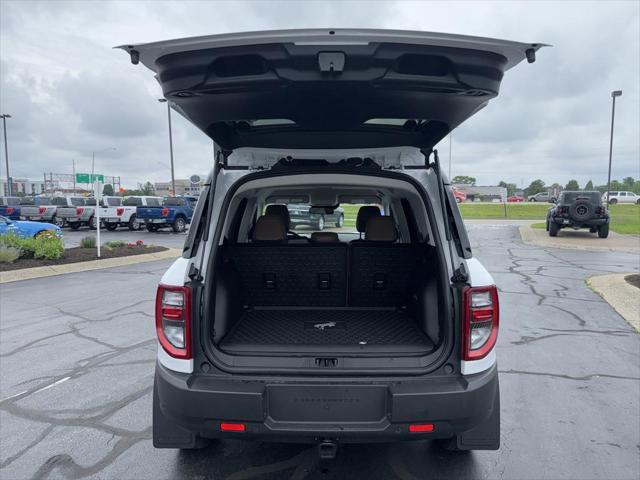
point(623, 298)
point(538, 237)
point(51, 270)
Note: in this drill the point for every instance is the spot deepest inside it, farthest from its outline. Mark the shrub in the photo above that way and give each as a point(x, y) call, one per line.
point(88, 242)
point(9, 254)
point(48, 248)
point(115, 244)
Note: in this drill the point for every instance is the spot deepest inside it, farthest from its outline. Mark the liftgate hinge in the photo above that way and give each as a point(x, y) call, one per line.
point(460, 274)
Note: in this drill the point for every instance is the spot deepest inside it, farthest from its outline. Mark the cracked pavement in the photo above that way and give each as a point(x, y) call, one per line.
point(77, 355)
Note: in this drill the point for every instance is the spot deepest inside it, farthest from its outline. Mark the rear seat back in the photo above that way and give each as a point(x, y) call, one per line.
point(382, 274)
point(303, 275)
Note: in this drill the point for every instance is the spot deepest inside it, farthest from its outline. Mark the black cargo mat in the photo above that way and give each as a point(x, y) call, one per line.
point(349, 331)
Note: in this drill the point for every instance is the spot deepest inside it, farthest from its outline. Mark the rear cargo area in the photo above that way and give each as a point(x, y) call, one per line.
point(359, 299)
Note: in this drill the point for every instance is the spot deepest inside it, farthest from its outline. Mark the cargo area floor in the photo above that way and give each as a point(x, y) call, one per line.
point(341, 331)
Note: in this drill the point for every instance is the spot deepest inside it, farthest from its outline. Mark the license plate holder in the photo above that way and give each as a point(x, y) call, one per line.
point(327, 403)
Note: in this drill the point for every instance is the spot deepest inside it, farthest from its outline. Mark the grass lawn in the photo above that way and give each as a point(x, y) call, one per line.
point(624, 218)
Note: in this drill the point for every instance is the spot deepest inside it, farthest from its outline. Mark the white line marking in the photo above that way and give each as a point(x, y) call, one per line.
point(13, 396)
point(57, 382)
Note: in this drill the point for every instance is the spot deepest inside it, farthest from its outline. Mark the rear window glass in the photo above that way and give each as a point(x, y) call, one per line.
point(59, 201)
point(174, 202)
point(77, 202)
point(112, 202)
point(26, 201)
point(132, 202)
point(43, 201)
point(153, 202)
point(9, 201)
point(90, 202)
point(570, 197)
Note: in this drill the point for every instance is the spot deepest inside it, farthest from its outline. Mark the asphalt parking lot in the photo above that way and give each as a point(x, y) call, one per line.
point(77, 355)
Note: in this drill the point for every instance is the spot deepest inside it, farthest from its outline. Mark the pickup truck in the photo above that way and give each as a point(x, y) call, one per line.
point(45, 209)
point(80, 214)
point(175, 212)
point(10, 207)
point(125, 214)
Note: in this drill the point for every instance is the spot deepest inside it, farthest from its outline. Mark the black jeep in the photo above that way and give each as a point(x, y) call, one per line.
point(578, 210)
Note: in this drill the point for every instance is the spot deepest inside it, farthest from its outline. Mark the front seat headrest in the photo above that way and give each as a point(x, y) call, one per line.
point(281, 211)
point(270, 228)
point(381, 229)
point(324, 237)
point(364, 214)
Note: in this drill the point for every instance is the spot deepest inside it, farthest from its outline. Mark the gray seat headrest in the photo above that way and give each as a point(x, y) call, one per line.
point(270, 228)
point(364, 214)
point(325, 237)
point(282, 211)
point(381, 229)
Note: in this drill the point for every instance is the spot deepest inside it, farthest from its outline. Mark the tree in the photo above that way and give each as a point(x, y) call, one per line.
point(572, 185)
point(108, 190)
point(463, 179)
point(536, 186)
point(511, 187)
point(627, 183)
point(147, 188)
point(589, 186)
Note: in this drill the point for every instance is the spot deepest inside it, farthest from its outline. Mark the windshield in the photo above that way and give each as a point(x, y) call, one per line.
point(306, 220)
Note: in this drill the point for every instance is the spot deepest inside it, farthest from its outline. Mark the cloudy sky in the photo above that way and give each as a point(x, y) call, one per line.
point(70, 93)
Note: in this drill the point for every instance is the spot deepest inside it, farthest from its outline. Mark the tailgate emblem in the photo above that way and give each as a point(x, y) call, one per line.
point(322, 326)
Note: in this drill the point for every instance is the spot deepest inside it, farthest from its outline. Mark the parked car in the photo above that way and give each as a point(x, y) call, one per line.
point(459, 195)
point(175, 212)
point(542, 197)
point(515, 199)
point(45, 209)
point(82, 212)
point(26, 229)
point(621, 197)
point(125, 215)
point(301, 214)
point(578, 210)
point(390, 337)
point(10, 207)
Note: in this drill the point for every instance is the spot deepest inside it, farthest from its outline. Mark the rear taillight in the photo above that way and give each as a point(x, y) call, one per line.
point(9, 211)
point(41, 210)
point(481, 319)
point(165, 212)
point(173, 320)
point(600, 211)
point(119, 211)
point(79, 211)
point(563, 210)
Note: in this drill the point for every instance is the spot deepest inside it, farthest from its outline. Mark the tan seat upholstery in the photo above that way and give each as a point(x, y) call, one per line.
point(270, 228)
point(325, 237)
point(381, 229)
point(281, 211)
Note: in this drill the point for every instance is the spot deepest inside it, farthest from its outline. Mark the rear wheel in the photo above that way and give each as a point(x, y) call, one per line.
point(151, 227)
point(320, 223)
point(603, 230)
point(613, 201)
point(179, 225)
point(532, 200)
point(340, 222)
point(111, 226)
point(638, 202)
point(92, 223)
point(57, 221)
point(547, 226)
point(74, 225)
point(554, 228)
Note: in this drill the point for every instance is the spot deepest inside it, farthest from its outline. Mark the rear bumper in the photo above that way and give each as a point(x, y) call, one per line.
point(309, 412)
point(567, 222)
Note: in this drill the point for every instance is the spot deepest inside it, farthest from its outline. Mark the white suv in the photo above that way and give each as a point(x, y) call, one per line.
point(621, 197)
point(380, 329)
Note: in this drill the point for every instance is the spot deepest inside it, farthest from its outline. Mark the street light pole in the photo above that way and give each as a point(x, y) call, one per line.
point(614, 94)
point(4, 117)
point(173, 178)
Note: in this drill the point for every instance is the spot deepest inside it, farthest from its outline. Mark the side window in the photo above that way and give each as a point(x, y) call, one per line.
point(153, 202)
point(623, 194)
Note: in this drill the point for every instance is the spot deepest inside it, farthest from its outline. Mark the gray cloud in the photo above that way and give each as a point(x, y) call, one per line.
point(70, 93)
